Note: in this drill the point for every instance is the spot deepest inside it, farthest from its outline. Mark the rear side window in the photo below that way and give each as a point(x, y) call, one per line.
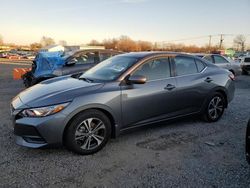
point(208, 58)
point(219, 59)
point(185, 65)
point(90, 57)
point(200, 65)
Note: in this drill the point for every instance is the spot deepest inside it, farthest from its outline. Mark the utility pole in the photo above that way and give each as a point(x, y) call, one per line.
point(209, 43)
point(221, 40)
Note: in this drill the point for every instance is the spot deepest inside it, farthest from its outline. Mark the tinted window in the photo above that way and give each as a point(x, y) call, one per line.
point(154, 69)
point(185, 66)
point(219, 59)
point(247, 59)
point(208, 58)
point(104, 56)
point(90, 57)
point(200, 65)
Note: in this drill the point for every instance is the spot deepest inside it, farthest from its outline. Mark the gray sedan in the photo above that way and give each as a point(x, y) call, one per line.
point(224, 62)
point(121, 93)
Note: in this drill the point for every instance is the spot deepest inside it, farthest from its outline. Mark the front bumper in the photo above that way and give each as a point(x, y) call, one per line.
point(39, 132)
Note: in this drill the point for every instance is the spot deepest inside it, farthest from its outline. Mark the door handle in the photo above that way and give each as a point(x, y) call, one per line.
point(208, 79)
point(169, 87)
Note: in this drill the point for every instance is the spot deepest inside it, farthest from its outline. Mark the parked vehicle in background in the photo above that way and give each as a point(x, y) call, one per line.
point(13, 56)
point(3, 54)
point(245, 65)
point(120, 93)
point(224, 62)
point(248, 142)
point(48, 65)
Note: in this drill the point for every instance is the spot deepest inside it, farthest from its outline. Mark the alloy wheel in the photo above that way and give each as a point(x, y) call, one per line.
point(215, 107)
point(90, 133)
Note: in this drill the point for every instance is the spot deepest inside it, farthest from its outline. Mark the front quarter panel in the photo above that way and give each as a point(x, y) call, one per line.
point(107, 98)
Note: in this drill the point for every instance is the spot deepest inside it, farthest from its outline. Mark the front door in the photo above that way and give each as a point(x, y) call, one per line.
point(153, 100)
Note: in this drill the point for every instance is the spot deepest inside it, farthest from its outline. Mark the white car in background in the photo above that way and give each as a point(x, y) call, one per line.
point(245, 65)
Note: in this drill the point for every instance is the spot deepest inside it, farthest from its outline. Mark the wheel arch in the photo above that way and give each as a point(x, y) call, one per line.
point(232, 71)
point(223, 92)
point(108, 113)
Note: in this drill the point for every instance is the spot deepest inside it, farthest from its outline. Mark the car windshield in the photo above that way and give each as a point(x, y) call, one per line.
point(109, 69)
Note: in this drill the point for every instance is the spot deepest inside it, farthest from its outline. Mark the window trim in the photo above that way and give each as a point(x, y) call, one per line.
point(123, 76)
point(195, 59)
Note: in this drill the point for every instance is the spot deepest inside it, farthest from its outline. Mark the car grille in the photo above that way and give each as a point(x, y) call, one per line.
point(247, 60)
point(29, 134)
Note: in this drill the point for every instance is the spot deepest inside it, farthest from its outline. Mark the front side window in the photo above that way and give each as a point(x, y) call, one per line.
point(219, 60)
point(185, 65)
point(154, 69)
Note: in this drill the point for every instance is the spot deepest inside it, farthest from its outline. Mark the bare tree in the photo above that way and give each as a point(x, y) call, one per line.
point(145, 45)
point(46, 41)
point(240, 40)
point(1, 40)
point(127, 45)
point(94, 43)
point(62, 42)
point(35, 46)
point(110, 43)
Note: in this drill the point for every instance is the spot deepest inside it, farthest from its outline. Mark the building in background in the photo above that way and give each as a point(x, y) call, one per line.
point(53, 48)
point(60, 48)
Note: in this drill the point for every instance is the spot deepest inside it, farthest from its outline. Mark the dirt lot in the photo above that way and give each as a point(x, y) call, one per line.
point(171, 154)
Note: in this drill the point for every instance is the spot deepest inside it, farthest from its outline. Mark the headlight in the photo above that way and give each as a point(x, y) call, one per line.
point(43, 111)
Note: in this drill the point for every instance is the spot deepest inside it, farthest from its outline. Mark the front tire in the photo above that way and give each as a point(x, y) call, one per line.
point(88, 132)
point(214, 108)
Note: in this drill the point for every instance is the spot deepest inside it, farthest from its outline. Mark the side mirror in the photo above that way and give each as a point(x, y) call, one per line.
point(71, 62)
point(137, 79)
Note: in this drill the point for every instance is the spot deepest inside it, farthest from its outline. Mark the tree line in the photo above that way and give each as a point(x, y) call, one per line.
point(126, 44)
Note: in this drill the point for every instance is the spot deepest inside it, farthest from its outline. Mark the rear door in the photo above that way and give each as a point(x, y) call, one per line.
point(192, 83)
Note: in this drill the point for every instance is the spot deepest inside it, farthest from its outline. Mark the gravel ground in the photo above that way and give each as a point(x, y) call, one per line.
point(183, 153)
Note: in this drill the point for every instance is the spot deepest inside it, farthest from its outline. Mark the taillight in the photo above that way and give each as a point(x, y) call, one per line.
point(231, 76)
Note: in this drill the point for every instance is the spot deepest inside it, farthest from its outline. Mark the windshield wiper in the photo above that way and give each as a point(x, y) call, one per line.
point(86, 79)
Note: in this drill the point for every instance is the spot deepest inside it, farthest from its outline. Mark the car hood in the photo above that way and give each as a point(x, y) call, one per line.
point(56, 91)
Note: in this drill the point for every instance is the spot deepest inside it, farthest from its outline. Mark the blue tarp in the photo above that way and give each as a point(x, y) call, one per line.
point(47, 62)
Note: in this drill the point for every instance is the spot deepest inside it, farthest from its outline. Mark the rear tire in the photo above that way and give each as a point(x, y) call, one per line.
point(214, 108)
point(88, 132)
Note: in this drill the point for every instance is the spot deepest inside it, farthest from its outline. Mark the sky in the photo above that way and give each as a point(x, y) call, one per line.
point(79, 21)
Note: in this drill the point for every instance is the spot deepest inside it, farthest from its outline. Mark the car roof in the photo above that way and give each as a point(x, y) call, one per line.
point(142, 55)
point(71, 54)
